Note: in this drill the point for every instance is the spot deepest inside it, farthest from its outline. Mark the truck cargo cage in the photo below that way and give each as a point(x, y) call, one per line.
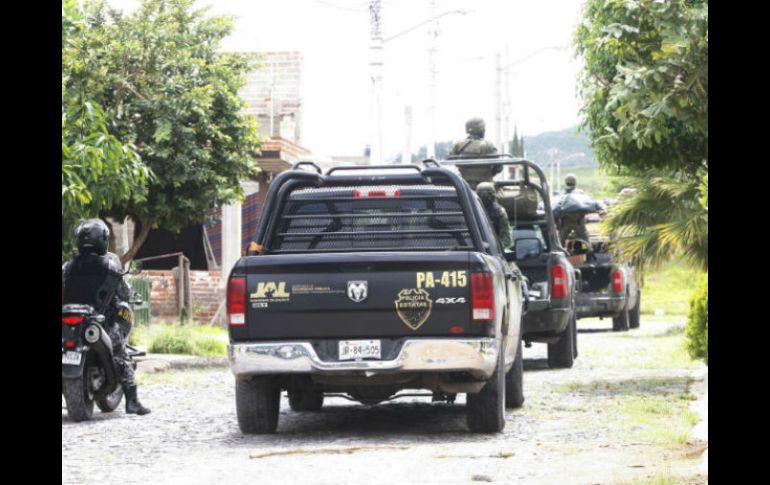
point(525, 184)
point(368, 208)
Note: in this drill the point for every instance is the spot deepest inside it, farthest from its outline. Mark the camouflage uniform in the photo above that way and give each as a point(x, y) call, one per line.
point(475, 144)
point(496, 213)
point(119, 316)
point(572, 222)
point(471, 147)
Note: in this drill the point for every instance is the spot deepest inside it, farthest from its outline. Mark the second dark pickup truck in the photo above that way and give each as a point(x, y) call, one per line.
point(369, 281)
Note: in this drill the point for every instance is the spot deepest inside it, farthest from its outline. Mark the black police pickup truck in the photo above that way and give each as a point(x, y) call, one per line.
point(608, 287)
point(550, 314)
point(368, 281)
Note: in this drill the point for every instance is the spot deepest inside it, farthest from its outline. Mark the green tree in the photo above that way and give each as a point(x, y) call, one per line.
point(98, 170)
point(166, 88)
point(663, 217)
point(645, 83)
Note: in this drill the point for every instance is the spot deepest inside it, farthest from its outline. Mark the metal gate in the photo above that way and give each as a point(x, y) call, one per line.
point(143, 287)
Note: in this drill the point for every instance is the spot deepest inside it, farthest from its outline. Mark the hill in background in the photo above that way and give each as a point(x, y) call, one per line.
point(572, 148)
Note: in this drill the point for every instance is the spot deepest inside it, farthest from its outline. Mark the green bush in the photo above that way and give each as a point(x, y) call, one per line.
point(697, 331)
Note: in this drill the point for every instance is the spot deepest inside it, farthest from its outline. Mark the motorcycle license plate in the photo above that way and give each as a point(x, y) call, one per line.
point(71, 358)
point(359, 349)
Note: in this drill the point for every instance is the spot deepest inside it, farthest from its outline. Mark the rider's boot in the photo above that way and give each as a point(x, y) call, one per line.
point(133, 406)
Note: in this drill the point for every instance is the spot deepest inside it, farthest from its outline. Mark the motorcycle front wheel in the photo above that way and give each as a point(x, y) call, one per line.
point(80, 405)
point(110, 402)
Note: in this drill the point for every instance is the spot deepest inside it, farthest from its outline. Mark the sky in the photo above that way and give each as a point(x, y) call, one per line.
point(333, 38)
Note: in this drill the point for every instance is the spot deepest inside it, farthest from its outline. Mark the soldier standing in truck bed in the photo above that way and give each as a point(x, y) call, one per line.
point(475, 144)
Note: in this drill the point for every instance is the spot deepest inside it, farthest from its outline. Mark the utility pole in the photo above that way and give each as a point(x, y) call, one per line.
point(375, 82)
point(433, 32)
point(498, 103)
point(406, 155)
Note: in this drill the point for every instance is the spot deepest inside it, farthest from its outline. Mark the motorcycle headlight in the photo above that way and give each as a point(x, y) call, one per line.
point(92, 334)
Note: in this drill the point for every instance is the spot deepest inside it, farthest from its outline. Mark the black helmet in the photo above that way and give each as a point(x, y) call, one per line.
point(92, 236)
point(570, 180)
point(475, 127)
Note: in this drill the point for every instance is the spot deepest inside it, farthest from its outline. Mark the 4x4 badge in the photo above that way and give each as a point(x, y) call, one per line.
point(358, 290)
point(413, 307)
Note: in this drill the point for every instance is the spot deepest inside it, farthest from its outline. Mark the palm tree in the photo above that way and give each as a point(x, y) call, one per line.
point(666, 215)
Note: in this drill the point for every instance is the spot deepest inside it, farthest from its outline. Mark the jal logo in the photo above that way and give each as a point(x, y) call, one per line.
point(269, 289)
point(358, 290)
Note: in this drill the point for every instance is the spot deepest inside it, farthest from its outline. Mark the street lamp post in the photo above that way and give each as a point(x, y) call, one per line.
point(376, 68)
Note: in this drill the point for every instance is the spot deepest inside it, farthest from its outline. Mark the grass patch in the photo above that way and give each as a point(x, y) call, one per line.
point(660, 479)
point(200, 340)
point(668, 288)
point(653, 410)
point(658, 344)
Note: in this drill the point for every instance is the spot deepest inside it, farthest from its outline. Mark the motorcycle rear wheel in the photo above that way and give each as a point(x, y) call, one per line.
point(110, 402)
point(80, 406)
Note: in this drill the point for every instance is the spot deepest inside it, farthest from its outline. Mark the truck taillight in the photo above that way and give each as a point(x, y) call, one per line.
point(236, 301)
point(482, 297)
point(617, 281)
point(558, 281)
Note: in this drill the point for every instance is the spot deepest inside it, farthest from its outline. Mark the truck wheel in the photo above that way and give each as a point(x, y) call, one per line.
point(514, 382)
point(561, 355)
point(486, 409)
point(306, 400)
point(620, 323)
point(257, 401)
point(634, 317)
point(80, 406)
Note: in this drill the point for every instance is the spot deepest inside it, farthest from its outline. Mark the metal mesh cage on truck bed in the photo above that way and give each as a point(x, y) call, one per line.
point(371, 208)
point(372, 218)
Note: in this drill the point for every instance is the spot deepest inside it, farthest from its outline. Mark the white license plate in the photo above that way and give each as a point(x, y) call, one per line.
point(360, 349)
point(71, 358)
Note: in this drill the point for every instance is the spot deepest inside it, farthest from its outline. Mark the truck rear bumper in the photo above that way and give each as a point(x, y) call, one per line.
point(593, 305)
point(475, 355)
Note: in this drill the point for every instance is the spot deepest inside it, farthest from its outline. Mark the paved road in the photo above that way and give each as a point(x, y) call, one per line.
point(192, 436)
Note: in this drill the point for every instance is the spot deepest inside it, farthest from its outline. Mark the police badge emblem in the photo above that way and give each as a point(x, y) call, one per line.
point(413, 307)
point(358, 291)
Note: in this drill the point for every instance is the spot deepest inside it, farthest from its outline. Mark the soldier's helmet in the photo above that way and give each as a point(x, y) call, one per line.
point(485, 190)
point(92, 236)
point(570, 181)
point(475, 127)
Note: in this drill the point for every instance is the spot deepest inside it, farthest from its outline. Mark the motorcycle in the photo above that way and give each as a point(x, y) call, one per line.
point(89, 374)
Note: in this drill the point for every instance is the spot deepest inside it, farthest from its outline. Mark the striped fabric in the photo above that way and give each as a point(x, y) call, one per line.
point(250, 211)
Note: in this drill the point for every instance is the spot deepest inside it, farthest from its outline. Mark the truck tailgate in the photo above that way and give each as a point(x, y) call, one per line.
point(383, 295)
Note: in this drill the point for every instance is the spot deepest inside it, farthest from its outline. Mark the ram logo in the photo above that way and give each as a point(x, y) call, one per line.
point(358, 290)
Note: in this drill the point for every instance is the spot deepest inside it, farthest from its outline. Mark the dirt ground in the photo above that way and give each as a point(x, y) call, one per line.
point(614, 418)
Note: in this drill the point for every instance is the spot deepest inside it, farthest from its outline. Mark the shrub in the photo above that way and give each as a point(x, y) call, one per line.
point(697, 331)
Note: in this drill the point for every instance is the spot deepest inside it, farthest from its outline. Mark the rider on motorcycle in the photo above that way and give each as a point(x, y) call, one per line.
point(92, 237)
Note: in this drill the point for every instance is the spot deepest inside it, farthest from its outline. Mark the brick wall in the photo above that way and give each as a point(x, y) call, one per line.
point(205, 294)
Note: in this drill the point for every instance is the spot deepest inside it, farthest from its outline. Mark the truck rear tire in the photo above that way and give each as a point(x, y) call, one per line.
point(306, 400)
point(257, 402)
point(486, 409)
point(561, 355)
point(634, 317)
point(620, 323)
point(514, 381)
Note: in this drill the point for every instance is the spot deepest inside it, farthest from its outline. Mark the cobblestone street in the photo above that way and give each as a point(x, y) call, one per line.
point(567, 431)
